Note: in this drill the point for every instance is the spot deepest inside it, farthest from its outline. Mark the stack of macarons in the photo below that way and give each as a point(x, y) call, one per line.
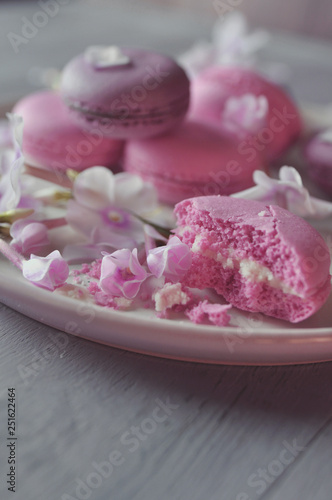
point(196, 142)
point(136, 108)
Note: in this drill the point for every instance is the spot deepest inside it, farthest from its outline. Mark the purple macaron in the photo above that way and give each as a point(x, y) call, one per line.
point(127, 93)
point(318, 153)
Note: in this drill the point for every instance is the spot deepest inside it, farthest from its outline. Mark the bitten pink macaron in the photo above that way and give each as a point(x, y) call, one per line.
point(52, 141)
point(129, 92)
point(195, 160)
point(260, 258)
point(260, 112)
point(318, 153)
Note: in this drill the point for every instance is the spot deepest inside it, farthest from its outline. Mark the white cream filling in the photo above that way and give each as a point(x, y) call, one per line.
point(169, 296)
point(252, 270)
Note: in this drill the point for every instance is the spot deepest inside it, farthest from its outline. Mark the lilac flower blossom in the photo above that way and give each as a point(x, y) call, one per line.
point(28, 235)
point(5, 135)
point(171, 261)
point(287, 192)
point(103, 56)
point(11, 167)
point(122, 274)
point(16, 125)
point(103, 205)
point(231, 44)
point(48, 272)
point(245, 114)
point(10, 185)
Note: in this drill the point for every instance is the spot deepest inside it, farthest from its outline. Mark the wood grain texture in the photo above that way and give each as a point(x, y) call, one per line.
point(75, 407)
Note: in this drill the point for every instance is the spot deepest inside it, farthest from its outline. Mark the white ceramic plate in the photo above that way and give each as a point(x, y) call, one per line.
point(252, 338)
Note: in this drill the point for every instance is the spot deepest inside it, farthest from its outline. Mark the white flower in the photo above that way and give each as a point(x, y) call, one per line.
point(101, 56)
point(232, 41)
point(245, 114)
point(104, 204)
point(232, 44)
point(287, 192)
point(48, 272)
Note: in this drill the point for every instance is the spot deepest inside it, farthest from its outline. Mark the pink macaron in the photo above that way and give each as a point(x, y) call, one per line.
point(318, 154)
point(195, 160)
point(128, 92)
point(262, 115)
point(259, 258)
point(52, 141)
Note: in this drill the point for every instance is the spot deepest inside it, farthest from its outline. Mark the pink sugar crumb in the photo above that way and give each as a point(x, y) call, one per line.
point(214, 313)
point(85, 268)
point(93, 288)
point(103, 300)
point(92, 270)
point(95, 269)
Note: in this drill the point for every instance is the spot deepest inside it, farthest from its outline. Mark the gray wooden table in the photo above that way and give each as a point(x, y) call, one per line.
point(99, 423)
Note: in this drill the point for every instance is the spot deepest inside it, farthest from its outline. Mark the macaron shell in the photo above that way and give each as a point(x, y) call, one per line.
point(260, 258)
point(211, 89)
point(318, 155)
point(293, 231)
point(143, 98)
point(51, 140)
point(195, 160)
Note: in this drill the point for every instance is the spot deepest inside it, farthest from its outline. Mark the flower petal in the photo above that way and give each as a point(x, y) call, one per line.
point(10, 187)
point(81, 218)
point(171, 261)
point(48, 272)
point(122, 274)
point(288, 192)
point(133, 194)
point(94, 188)
point(28, 236)
point(16, 124)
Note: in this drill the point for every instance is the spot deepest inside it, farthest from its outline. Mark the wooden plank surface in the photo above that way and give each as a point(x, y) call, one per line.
point(78, 402)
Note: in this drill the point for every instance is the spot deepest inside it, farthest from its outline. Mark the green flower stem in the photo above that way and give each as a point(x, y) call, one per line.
point(12, 215)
